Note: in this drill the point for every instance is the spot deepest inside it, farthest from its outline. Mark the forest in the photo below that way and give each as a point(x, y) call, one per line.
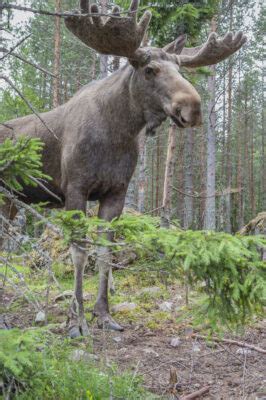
point(167, 300)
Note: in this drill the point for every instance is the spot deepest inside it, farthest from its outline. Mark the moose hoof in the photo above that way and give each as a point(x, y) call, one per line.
point(76, 330)
point(107, 322)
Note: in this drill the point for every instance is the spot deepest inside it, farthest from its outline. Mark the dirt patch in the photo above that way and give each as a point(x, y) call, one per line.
point(230, 371)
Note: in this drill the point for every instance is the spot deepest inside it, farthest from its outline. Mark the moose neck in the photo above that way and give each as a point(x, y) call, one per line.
point(123, 110)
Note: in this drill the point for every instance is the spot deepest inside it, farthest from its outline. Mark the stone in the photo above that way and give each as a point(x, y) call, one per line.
point(40, 317)
point(124, 307)
point(117, 339)
point(244, 351)
point(166, 306)
point(150, 290)
point(196, 348)
point(67, 294)
point(175, 342)
point(151, 351)
point(81, 355)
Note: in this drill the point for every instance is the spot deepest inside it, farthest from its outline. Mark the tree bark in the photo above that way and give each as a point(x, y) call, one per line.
point(188, 178)
point(168, 177)
point(210, 207)
point(57, 45)
point(228, 205)
point(142, 171)
point(103, 57)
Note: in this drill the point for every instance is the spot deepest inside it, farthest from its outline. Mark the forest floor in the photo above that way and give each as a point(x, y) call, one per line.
point(160, 334)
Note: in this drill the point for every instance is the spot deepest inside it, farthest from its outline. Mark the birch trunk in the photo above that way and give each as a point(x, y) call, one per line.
point(210, 206)
point(188, 178)
point(57, 45)
point(142, 171)
point(168, 177)
point(103, 58)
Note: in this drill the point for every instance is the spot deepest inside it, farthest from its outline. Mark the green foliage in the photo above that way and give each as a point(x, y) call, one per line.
point(38, 367)
point(20, 160)
point(227, 268)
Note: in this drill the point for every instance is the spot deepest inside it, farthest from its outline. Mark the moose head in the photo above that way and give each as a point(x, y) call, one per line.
point(157, 81)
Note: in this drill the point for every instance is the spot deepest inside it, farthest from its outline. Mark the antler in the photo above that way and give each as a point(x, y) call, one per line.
point(112, 35)
point(211, 52)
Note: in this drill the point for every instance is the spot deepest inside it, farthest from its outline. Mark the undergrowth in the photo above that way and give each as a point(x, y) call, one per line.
point(228, 269)
point(36, 365)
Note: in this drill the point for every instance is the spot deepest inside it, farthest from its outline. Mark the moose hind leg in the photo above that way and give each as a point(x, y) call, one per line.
point(77, 324)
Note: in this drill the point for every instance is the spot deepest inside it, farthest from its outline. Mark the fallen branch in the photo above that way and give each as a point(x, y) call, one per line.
point(230, 341)
point(196, 394)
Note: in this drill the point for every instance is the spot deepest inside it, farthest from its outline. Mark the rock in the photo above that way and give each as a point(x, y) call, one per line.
point(117, 339)
point(244, 351)
point(150, 290)
point(3, 323)
point(166, 306)
point(67, 294)
point(81, 355)
point(40, 317)
point(124, 307)
point(151, 351)
point(196, 348)
point(175, 342)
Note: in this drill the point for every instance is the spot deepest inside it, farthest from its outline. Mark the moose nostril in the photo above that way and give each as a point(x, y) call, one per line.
point(183, 120)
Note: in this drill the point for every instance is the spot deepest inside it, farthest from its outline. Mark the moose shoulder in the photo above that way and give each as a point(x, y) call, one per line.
point(94, 149)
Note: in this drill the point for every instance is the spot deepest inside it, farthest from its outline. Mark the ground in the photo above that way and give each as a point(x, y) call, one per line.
point(155, 313)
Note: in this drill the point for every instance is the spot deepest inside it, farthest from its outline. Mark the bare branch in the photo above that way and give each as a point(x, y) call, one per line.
point(62, 15)
point(28, 104)
point(10, 51)
point(28, 208)
point(18, 56)
point(37, 181)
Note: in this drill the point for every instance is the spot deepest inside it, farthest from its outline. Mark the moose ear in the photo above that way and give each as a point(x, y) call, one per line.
point(177, 46)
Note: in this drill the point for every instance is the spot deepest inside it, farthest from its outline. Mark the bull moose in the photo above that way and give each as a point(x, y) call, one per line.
point(93, 152)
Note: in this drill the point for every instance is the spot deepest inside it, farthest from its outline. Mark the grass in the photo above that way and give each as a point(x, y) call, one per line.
point(37, 365)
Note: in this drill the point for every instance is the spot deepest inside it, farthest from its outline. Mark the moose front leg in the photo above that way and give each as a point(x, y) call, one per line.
point(110, 207)
point(76, 323)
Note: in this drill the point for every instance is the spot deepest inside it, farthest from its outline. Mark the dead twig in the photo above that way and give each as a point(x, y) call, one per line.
point(10, 51)
point(196, 394)
point(64, 15)
point(19, 57)
point(39, 183)
point(5, 78)
point(230, 341)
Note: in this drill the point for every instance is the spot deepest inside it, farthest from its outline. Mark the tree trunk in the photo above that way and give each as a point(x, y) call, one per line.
point(228, 206)
point(210, 207)
point(142, 171)
point(263, 172)
point(103, 58)
point(168, 177)
point(158, 165)
point(188, 178)
point(57, 45)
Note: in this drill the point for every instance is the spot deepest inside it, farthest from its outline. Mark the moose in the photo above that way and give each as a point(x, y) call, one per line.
point(94, 149)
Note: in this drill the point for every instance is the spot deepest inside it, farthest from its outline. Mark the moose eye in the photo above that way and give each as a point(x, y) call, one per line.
point(148, 71)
